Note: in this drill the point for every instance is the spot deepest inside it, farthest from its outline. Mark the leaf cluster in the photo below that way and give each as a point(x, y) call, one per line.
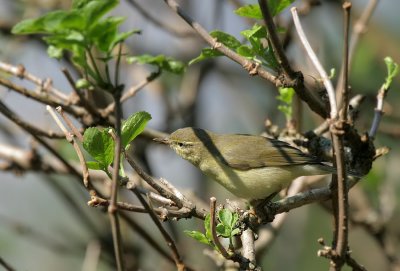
point(286, 98)
point(100, 145)
point(257, 46)
point(227, 227)
point(89, 37)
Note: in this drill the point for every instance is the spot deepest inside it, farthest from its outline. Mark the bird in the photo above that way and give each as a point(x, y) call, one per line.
point(251, 167)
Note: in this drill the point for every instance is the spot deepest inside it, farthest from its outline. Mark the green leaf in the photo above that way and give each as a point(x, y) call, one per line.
point(255, 36)
point(393, 70)
point(207, 226)
point(245, 51)
point(225, 216)
point(99, 144)
point(250, 11)
point(235, 218)
point(223, 230)
point(277, 6)
point(254, 11)
point(133, 126)
point(226, 39)
point(55, 52)
point(235, 231)
point(95, 9)
point(94, 165)
point(205, 54)
point(80, 3)
point(198, 236)
point(161, 61)
point(82, 83)
point(286, 95)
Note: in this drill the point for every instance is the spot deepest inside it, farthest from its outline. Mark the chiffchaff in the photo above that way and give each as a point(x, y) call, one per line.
point(250, 167)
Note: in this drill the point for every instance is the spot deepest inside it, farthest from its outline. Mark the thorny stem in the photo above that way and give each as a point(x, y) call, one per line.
point(112, 208)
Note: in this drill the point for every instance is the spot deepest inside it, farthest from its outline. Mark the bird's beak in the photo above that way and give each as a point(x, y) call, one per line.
point(162, 140)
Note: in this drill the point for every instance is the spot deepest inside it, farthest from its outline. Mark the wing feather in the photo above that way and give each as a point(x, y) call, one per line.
point(247, 151)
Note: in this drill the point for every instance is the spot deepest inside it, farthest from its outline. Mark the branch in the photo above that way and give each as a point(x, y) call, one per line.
point(82, 99)
point(6, 266)
point(359, 29)
point(182, 203)
point(252, 67)
point(113, 208)
point(276, 43)
point(46, 85)
point(161, 25)
point(26, 126)
point(313, 57)
point(170, 242)
point(43, 98)
point(149, 239)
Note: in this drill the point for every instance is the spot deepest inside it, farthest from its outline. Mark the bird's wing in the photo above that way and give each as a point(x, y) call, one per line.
point(246, 151)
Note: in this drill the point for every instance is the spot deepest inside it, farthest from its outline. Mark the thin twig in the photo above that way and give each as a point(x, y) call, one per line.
point(22, 73)
point(6, 265)
point(117, 65)
point(170, 242)
point(131, 92)
point(344, 88)
point(146, 236)
point(341, 244)
point(67, 165)
point(82, 98)
point(150, 181)
point(358, 30)
point(113, 208)
point(252, 67)
point(92, 256)
point(378, 111)
point(70, 124)
point(276, 43)
point(71, 139)
point(314, 59)
point(43, 98)
point(135, 89)
point(33, 129)
point(159, 24)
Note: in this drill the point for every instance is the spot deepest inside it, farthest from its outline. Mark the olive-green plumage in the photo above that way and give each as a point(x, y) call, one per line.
point(251, 167)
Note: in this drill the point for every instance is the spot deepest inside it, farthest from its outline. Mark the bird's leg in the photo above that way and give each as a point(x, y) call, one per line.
point(261, 209)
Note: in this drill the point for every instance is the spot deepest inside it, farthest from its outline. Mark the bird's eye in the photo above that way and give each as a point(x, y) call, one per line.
point(180, 144)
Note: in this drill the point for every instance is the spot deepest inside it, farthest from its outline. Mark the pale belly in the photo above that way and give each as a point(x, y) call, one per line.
point(257, 183)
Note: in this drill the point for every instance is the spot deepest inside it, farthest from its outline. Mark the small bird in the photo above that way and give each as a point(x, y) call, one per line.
point(250, 167)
